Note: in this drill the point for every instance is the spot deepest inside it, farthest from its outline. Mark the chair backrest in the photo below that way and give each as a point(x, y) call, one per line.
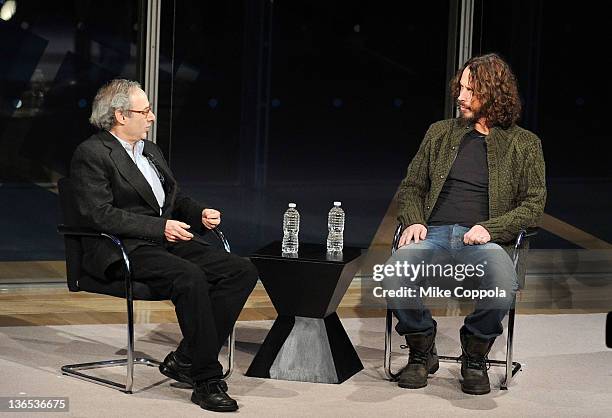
point(74, 249)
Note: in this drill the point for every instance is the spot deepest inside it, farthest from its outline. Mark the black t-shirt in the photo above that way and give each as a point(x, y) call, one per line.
point(464, 198)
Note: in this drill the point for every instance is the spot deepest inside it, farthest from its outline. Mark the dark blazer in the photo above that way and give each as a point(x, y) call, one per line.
point(113, 196)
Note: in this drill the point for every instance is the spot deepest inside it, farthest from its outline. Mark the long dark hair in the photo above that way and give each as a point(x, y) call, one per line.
point(495, 87)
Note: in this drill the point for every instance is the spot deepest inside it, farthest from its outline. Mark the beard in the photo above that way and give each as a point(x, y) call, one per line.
point(470, 117)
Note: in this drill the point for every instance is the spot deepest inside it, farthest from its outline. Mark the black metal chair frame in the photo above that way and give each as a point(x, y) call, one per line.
point(75, 369)
point(512, 367)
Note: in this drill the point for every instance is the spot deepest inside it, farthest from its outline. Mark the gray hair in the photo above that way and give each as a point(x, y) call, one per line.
point(114, 95)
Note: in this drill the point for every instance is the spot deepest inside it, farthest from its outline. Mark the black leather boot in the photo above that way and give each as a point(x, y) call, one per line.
point(422, 360)
point(175, 369)
point(212, 395)
point(474, 363)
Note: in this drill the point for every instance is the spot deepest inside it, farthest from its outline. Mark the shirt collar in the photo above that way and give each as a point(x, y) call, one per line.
point(136, 150)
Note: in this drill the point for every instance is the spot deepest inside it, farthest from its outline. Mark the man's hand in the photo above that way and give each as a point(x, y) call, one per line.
point(415, 231)
point(177, 231)
point(211, 218)
point(476, 235)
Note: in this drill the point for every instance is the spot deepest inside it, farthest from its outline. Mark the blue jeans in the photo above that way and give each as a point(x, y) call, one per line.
point(493, 280)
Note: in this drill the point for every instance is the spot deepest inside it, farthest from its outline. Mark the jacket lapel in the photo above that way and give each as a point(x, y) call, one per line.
point(128, 170)
point(456, 135)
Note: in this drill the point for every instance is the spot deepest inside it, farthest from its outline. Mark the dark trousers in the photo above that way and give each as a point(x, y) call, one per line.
point(208, 288)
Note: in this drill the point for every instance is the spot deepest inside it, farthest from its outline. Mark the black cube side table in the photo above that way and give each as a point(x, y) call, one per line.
point(307, 341)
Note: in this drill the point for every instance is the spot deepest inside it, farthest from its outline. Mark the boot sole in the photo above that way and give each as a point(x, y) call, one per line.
point(476, 391)
point(228, 408)
point(412, 386)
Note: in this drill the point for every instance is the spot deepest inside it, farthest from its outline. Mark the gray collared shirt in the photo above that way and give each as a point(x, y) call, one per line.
point(143, 164)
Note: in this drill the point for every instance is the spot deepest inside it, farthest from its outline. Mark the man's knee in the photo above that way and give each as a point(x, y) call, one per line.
point(191, 279)
point(492, 252)
point(250, 271)
point(416, 253)
point(490, 246)
point(411, 265)
point(499, 272)
point(245, 271)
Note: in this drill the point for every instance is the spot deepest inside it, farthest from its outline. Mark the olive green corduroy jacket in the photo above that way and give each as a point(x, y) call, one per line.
point(517, 186)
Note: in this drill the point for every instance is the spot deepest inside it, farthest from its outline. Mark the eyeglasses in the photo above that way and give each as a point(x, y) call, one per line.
point(144, 112)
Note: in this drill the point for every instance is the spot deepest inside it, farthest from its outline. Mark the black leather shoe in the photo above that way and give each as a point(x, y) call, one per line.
point(212, 395)
point(175, 369)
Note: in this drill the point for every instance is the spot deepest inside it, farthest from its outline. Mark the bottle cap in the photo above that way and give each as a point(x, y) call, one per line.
point(291, 205)
point(337, 203)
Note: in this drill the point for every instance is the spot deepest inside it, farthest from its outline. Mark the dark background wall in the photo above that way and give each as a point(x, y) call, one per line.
point(560, 57)
point(301, 102)
point(263, 104)
point(54, 55)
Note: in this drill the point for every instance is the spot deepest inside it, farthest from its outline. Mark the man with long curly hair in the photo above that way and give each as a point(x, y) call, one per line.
point(475, 182)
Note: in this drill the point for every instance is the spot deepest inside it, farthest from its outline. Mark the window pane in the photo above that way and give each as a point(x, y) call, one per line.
point(55, 55)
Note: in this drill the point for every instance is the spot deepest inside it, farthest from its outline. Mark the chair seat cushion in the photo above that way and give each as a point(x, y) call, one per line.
point(140, 290)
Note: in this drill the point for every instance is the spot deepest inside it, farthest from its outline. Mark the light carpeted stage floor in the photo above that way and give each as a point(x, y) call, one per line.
point(567, 372)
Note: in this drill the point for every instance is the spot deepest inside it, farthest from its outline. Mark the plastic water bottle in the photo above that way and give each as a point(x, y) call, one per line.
point(291, 228)
point(335, 225)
